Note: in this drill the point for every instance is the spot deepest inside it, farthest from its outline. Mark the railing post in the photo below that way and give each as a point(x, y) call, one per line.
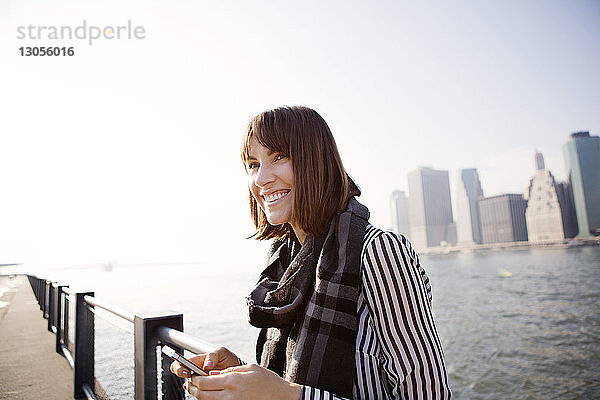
point(83, 371)
point(146, 341)
point(42, 288)
point(67, 321)
point(51, 306)
point(33, 282)
point(59, 318)
point(47, 298)
point(44, 298)
point(38, 284)
point(38, 291)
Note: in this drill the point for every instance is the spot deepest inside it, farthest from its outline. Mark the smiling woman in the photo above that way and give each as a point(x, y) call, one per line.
point(344, 308)
point(320, 180)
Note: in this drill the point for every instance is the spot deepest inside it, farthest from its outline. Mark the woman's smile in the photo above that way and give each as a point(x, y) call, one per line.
point(273, 198)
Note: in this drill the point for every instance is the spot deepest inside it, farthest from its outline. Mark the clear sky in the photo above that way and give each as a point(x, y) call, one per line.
point(129, 150)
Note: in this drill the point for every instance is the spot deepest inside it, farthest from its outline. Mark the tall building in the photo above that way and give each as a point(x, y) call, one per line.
point(430, 208)
point(582, 158)
point(539, 161)
point(399, 205)
point(468, 192)
point(567, 207)
point(544, 214)
point(503, 218)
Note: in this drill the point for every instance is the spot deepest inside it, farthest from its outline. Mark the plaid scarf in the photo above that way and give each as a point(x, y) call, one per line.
point(305, 302)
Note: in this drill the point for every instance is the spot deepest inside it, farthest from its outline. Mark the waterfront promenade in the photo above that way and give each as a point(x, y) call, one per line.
point(30, 368)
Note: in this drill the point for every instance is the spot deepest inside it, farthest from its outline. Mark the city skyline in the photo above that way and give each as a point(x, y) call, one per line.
point(547, 210)
point(556, 165)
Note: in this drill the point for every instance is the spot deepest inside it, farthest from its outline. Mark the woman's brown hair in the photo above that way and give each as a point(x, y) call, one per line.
point(322, 185)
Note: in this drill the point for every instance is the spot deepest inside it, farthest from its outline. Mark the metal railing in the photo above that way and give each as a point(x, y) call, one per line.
point(150, 331)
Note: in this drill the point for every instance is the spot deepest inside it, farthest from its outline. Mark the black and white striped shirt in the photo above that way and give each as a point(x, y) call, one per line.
point(398, 351)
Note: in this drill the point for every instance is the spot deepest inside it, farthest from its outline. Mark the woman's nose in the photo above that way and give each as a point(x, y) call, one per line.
point(264, 175)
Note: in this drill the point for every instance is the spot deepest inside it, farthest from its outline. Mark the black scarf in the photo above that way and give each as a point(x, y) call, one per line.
point(309, 319)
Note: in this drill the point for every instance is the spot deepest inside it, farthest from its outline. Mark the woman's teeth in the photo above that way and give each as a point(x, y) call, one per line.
point(275, 196)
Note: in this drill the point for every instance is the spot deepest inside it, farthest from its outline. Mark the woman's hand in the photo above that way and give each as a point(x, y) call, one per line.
point(246, 382)
point(218, 359)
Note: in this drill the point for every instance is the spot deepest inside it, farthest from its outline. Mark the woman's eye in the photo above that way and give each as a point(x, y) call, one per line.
point(279, 157)
point(252, 165)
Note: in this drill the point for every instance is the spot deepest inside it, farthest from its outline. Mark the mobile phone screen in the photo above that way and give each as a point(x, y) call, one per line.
point(183, 361)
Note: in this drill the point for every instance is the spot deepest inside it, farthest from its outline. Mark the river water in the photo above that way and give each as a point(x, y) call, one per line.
point(532, 335)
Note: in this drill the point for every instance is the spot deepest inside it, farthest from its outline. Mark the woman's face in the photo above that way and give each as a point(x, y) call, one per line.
point(271, 182)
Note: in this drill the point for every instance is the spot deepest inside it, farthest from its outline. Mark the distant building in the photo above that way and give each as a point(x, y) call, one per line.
point(430, 208)
point(582, 158)
point(468, 192)
point(451, 233)
point(544, 214)
point(539, 161)
point(503, 218)
point(567, 207)
point(399, 206)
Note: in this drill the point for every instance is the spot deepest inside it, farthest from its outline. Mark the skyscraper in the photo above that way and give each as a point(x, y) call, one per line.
point(468, 192)
point(582, 158)
point(399, 206)
point(539, 161)
point(503, 218)
point(430, 208)
point(544, 214)
point(567, 207)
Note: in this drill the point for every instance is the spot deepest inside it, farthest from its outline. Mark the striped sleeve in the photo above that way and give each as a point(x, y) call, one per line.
point(398, 298)
point(311, 393)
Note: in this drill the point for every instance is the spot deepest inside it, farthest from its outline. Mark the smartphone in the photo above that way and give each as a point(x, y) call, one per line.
point(183, 361)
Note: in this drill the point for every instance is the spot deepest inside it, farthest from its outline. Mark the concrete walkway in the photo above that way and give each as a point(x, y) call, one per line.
point(30, 368)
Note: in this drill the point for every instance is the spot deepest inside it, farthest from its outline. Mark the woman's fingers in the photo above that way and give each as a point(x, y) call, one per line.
point(180, 370)
point(198, 360)
point(219, 380)
point(220, 358)
point(237, 368)
point(210, 383)
point(211, 360)
point(203, 394)
point(217, 359)
point(184, 372)
point(174, 367)
point(250, 382)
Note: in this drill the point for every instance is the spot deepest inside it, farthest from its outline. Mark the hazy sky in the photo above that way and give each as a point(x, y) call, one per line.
point(129, 150)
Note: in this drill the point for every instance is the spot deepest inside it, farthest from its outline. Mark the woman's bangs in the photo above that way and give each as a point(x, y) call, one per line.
point(273, 138)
